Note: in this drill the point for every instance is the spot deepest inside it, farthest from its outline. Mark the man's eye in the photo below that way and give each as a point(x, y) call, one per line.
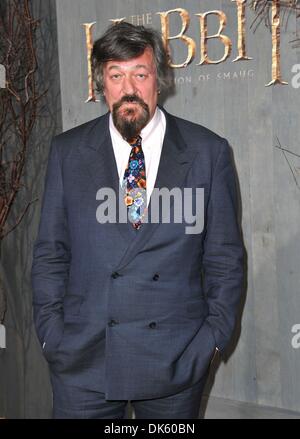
point(116, 76)
point(141, 75)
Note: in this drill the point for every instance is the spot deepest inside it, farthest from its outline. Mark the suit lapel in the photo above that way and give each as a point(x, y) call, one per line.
point(98, 156)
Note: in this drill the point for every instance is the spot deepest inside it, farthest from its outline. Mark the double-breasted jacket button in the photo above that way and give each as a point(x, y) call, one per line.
point(156, 276)
point(152, 325)
point(115, 274)
point(112, 323)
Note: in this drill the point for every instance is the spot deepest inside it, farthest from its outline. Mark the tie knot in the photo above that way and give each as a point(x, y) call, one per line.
point(136, 141)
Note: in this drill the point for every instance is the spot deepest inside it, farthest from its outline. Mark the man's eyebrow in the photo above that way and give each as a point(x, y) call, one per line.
point(137, 66)
point(142, 66)
point(114, 67)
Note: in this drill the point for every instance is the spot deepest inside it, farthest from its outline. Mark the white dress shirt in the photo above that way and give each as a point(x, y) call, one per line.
point(152, 140)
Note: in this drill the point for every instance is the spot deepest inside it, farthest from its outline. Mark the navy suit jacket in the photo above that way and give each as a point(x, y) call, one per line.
point(135, 314)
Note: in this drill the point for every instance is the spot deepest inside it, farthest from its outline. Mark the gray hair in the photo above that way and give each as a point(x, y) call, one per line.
point(125, 41)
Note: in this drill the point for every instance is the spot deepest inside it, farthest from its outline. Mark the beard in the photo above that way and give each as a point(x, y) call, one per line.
point(130, 115)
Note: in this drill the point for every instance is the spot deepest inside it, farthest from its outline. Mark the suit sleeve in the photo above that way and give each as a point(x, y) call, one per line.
point(223, 251)
point(51, 256)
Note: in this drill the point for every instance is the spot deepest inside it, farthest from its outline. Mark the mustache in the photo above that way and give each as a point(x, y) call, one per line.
point(130, 124)
point(130, 99)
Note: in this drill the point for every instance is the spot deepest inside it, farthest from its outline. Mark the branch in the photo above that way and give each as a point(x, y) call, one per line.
point(5, 233)
point(283, 149)
point(287, 160)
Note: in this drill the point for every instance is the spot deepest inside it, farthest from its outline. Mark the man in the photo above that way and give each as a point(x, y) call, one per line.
point(134, 311)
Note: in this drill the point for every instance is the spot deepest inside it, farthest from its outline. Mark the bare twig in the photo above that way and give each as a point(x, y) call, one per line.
point(19, 107)
point(284, 151)
point(19, 102)
point(262, 10)
point(19, 219)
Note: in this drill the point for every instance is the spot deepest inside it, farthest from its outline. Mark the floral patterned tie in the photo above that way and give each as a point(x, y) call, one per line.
point(134, 184)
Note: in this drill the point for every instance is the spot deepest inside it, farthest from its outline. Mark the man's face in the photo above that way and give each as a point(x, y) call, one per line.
point(130, 90)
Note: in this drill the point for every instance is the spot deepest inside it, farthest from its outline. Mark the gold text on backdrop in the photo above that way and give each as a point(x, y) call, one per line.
point(190, 43)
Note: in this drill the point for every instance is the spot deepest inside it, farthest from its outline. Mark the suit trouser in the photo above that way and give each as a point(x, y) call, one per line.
point(77, 403)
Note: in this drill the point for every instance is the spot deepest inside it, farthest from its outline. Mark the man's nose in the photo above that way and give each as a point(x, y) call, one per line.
point(129, 86)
